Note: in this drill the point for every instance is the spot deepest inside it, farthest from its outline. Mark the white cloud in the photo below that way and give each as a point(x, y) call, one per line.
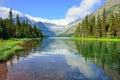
point(78, 12)
point(57, 22)
point(74, 13)
point(4, 12)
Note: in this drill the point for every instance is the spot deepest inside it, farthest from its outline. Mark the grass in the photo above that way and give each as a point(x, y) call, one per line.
point(98, 39)
point(4, 56)
point(18, 48)
point(8, 47)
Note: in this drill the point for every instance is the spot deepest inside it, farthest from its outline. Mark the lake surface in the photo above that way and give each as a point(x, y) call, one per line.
point(64, 59)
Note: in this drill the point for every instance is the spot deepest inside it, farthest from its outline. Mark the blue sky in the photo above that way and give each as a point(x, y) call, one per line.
point(50, 9)
point(54, 9)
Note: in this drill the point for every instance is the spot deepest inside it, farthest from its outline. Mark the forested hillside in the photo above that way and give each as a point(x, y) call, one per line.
point(104, 25)
point(10, 28)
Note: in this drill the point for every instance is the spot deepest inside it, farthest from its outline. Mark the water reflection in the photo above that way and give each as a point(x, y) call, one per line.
point(30, 47)
point(106, 55)
point(45, 68)
point(6, 66)
point(64, 59)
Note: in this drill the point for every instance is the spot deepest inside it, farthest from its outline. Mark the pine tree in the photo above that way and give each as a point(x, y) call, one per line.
point(104, 23)
point(86, 24)
point(5, 32)
point(98, 27)
point(118, 20)
point(18, 21)
point(78, 31)
point(89, 26)
point(83, 28)
point(111, 25)
point(93, 25)
point(10, 15)
point(115, 25)
point(1, 30)
point(10, 24)
point(18, 26)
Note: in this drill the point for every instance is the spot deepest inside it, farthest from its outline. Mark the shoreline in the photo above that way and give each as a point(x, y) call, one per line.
point(98, 39)
point(8, 47)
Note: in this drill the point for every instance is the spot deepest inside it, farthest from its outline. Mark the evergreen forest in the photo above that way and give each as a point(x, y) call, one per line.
point(14, 28)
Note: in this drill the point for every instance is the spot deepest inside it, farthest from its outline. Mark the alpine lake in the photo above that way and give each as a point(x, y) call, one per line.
point(64, 59)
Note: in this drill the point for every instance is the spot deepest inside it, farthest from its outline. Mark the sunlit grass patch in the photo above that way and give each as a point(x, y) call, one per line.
point(18, 48)
point(98, 39)
point(8, 47)
point(4, 56)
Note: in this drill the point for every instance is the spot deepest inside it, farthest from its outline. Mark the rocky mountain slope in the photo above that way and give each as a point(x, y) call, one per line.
point(107, 5)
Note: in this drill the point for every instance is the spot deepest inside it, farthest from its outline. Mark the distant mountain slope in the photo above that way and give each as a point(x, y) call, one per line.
point(69, 30)
point(69, 33)
point(44, 29)
point(56, 29)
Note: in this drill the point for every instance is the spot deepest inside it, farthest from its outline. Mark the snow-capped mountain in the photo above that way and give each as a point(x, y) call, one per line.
point(47, 26)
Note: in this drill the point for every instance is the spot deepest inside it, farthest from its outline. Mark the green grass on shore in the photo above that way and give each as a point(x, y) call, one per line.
point(8, 47)
point(98, 39)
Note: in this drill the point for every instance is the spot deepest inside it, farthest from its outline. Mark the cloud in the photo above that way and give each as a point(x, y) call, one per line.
point(57, 21)
point(78, 12)
point(74, 13)
point(4, 12)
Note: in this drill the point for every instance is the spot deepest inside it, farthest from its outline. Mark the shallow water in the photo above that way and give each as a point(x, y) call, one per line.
point(64, 59)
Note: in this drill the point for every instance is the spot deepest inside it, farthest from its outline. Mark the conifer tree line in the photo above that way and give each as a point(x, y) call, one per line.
point(104, 25)
point(16, 29)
